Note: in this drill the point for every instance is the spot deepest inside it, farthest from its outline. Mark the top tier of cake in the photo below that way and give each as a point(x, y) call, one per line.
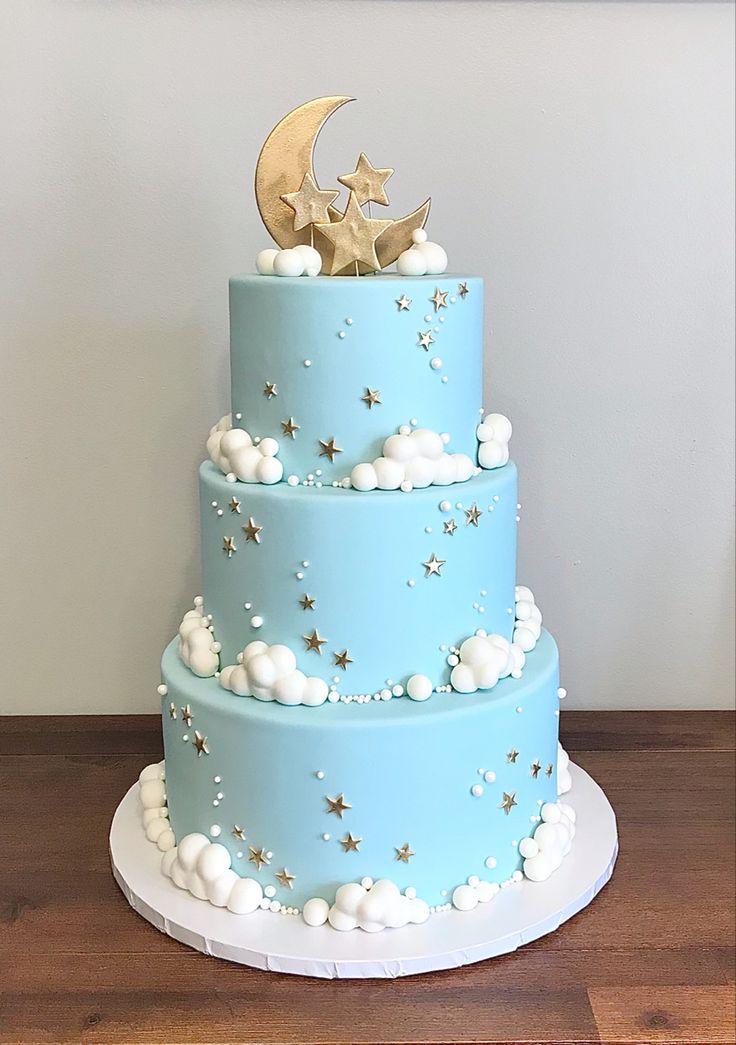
point(345, 362)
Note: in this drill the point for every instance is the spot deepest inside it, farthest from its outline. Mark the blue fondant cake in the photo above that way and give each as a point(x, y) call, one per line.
point(361, 709)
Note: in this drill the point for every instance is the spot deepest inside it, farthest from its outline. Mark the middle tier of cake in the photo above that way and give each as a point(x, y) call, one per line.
point(365, 589)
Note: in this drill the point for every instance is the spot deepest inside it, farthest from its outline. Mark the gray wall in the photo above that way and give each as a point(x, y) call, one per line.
point(580, 157)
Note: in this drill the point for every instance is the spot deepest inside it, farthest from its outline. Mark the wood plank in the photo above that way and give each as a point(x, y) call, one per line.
point(665, 1014)
point(82, 735)
point(648, 730)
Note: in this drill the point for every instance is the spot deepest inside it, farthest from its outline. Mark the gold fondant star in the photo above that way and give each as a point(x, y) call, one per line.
point(512, 755)
point(535, 767)
point(403, 303)
point(472, 515)
point(186, 715)
point(270, 390)
point(372, 397)
point(354, 238)
point(252, 531)
point(462, 289)
point(337, 805)
point(306, 602)
point(172, 710)
point(404, 853)
point(425, 339)
point(508, 802)
point(257, 857)
point(342, 660)
point(289, 427)
point(367, 181)
point(433, 565)
point(310, 204)
point(228, 546)
point(329, 449)
point(238, 832)
point(314, 642)
point(439, 299)
point(284, 878)
point(350, 844)
point(200, 744)
point(449, 526)
point(549, 770)
point(234, 505)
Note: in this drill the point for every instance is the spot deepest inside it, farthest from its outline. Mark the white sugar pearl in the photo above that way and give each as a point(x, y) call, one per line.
point(411, 584)
point(419, 236)
point(256, 622)
point(307, 362)
point(320, 774)
point(445, 506)
point(269, 891)
point(419, 687)
point(215, 831)
point(464, 898)
point(476, 790)
point(517, 876)
point(367, 883)
point(315, 911)
point(325, 837)
point(247, 605)
point(490, 862)
point(398, 691)
point(561, 693)
point(435, 363)
point(341, 334)
point(162, 690)
point(444, 379)
point(489, 776)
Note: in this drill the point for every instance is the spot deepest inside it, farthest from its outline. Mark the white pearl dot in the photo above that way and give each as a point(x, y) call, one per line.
point(445, 506)
point(307, 362)
point(349, 322)
point(238, 417)
point(427, 529)
point(435, 363)
point(443, 379)
point(325, 838)
point(256, 622)
point(162, 690)
point(341, 334)
point(476, 790)
point(490, 862)
point(300, 576)
point(413, 422)
point(519, 710)
point(489, 776)
point(269, 891)
point(398, 691)
point(215, 830)
point(320, 774)
point(214, 504)
point(185, 737)
point(220, 795)
point(411, 584)
point(561, 693)
point(217, 779)
point(305, 564)
point(215, 801)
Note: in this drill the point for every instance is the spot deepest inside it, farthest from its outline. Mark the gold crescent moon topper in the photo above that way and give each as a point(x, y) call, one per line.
point(295, 209)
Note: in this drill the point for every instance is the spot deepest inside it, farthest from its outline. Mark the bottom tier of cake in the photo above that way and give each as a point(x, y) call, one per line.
point(307, 799)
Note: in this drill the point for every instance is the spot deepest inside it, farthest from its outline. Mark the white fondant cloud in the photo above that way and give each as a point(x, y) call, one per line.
point(549, 845)
point(203, 869)
point(564, 779)
point(413, 458)
point(423, 258)
point(197, 646)
point(467, 897)
point(483, 659)
point(371, 906)
point(302, 260)
point(235, 454)
point(152, 793)
point(493, 433)
point(270, 673)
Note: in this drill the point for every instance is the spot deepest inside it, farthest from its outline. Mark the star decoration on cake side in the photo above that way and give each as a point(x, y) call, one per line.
point(270, 390)
point(234, 505)
point(508, 802)
point(449, 526)
point(314, 642)
point(512, 755)
point(307, 602)
point(337, 805)
point(172, 710)
point(472, 515)
point(342, 660)
point(372, 397)
point(310, 204)
point(549, 770)
point(252, 530)
point(535, 767)
point(425, 339)
point(186, 715)
point(328, 449)
point(200, 744)
point(238, 832)
point(404, 853)
point(228, 546)
point(433, 565)
point(403, 303)
point(350, 844)
point(439, 299)
point(290, 427)
point(462, 289)
point(284, 878)
point(354, 239)
point(367, 182)
point(259, 857)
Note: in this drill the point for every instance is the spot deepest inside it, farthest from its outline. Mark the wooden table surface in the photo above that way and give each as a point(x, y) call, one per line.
point(651, 960)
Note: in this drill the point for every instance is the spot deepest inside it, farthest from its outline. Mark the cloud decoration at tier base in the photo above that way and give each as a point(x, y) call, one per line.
point(238, 456)
point(152, 793)
point(413, 459)
point(270, 673)
point(423, 258)
point(545, 850)
point(197, 646)
point(482, 660)
point(301, 260)
point(494, 433)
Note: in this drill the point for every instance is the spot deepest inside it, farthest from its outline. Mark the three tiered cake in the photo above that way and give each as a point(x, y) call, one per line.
point(360, 712)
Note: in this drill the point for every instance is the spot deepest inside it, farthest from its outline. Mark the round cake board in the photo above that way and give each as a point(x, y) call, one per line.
point(520, 913)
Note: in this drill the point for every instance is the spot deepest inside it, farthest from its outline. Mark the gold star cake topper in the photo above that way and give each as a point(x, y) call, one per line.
point(296, 210)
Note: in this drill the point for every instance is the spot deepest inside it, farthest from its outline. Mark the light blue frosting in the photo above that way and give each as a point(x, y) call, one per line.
point(363, 549)
point(405, 768)
point(278, 323)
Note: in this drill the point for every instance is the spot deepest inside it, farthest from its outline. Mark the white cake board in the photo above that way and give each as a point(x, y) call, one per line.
point(281, 943)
